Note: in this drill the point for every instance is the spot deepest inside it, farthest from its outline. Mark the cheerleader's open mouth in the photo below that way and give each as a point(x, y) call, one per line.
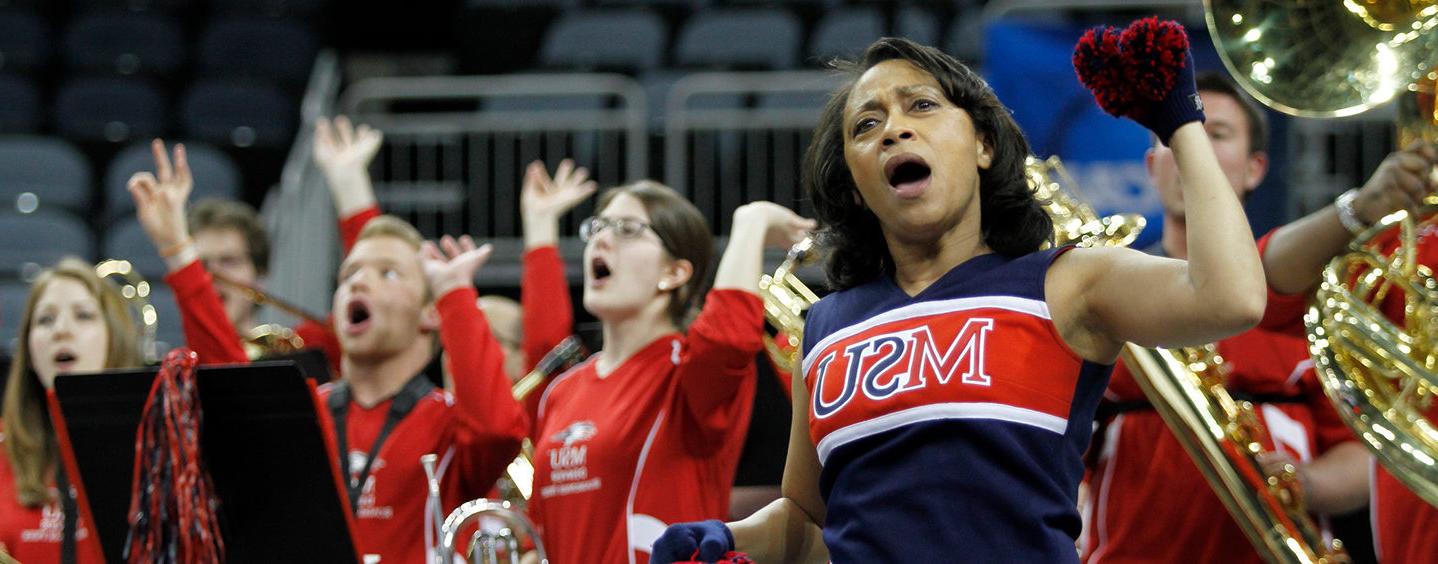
point(908, 175)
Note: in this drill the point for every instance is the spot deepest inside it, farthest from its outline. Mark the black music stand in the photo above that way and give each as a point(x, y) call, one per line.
point(269, 452)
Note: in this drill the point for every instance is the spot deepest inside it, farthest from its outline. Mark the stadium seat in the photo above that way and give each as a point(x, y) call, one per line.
point(19, 104)
point(918, 24)
point(602, 40)
point(125, 43)
point(740, 39)
point(29, 242)
point(242, 114)
point(43, 173)
point(24, 41)
point(110, 109)
point(127, 240)
point(269, 8)
point(253, 47)
point(215, 173)
point(845, 33)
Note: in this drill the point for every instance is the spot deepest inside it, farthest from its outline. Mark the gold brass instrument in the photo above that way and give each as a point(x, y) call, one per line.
point(136, 290)
point(1185, 386)
point(485, 547)
point(270, 339)
point(1380, 376)
point(1075, 222)
point(1325, 58)
point(786, 298)
point(1337, 58)
point(1224, 437)
point(517, 484)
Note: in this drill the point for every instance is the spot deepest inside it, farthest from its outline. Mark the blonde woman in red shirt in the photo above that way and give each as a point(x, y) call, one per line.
point(73, 322)
point(647, 431)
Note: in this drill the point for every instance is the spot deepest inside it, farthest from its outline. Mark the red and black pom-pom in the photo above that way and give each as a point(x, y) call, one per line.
point(1130, 70)
point(1154, 52)
point(1098, 60)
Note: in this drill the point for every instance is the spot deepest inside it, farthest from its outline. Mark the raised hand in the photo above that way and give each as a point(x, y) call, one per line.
point(782, 227)
point(343, 153)
point(452, 263)
point(160, 199)
point(543, 200)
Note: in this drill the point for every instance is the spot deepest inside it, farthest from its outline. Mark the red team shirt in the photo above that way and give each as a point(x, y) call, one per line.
point(33, 534)
point(655, 442)
point(1142, 466)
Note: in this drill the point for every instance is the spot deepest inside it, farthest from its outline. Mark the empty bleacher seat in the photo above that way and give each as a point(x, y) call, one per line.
point(269, 8)
point(630, 40)
point(918, 24)
point(214, 172)
point(24, 41)
point(125, 43)
point(19, 104)
point(137, 6)
point(256, 47)
point(110, 109)
point(740, 39)
point(659, 84)
point(242, 114)
point(43, 173)
point(126, 239)
point(845, 33)
point(29, 242)
point(13, 296)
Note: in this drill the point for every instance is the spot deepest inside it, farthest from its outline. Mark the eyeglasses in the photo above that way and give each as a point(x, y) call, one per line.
point(624, 227)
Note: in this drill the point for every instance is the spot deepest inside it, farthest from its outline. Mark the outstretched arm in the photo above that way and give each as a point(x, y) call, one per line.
point(1297, 252)
point(343, 153)
point(160, 205)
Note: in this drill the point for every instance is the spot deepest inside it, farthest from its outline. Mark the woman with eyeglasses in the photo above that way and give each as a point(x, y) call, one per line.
point(73, 322)
point(648, 430)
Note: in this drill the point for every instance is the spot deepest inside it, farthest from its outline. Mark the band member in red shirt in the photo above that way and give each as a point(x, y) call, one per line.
point(648, 431)
point(73, 322)
point(391, 301)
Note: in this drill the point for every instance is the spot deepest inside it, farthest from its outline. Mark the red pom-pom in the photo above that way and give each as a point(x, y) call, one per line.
point(1098, 60)
point(731, 557)
point(1154, 52)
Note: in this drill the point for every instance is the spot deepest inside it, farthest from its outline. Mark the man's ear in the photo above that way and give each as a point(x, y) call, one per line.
point(429, 319)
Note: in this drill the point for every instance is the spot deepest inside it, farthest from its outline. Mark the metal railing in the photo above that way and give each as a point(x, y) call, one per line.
point(721, 153)
point(456, 147)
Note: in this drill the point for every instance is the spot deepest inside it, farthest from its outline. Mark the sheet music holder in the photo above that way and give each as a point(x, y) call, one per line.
point(270, 454)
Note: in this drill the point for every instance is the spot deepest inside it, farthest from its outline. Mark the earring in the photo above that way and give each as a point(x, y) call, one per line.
point(663, 286)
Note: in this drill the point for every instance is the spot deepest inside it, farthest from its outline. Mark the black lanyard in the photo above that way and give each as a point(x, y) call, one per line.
point(399, 406)
point(71, 516)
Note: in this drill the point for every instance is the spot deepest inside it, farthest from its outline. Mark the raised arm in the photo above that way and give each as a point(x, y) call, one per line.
point(1298, 251)
point(1123, 295)
point(724, 339)
point(343, 153)
point(160, 205)
point(548, 313)
point(1103, 297)
point(492, 423)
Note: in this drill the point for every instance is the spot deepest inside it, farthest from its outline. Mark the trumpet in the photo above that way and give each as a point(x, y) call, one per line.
point(270, 339)
point(485, 546)
point(786, 298)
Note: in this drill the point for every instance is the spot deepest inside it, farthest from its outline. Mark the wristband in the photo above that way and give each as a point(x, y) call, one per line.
point(1346, 215)
point(176, 248)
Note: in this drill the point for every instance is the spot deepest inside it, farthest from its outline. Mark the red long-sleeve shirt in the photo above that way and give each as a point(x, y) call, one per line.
point(33, 534)
point(654, 442)
point(548, 313)
point(475, 431)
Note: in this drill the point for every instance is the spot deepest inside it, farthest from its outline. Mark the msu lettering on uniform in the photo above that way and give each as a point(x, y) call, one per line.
point(964, 358)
